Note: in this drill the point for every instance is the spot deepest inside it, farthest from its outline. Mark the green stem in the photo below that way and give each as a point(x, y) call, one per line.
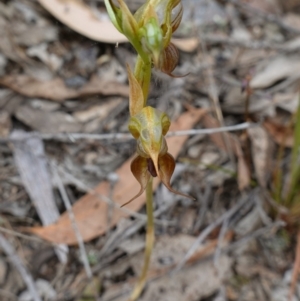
point(142, 73)
point(149, 243)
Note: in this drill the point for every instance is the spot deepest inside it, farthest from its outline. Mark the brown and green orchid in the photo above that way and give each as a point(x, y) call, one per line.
point(149, 128)
point(150, 29)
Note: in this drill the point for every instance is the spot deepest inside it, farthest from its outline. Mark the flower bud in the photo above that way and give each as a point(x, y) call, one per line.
point(125, 22)
point(169, 59)
point(151, 37)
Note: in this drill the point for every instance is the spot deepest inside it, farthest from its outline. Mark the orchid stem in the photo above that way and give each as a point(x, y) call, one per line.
point(142, 73)
point(149, 243)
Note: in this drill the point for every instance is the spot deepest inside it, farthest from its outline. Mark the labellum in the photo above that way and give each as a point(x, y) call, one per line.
point(169, 59)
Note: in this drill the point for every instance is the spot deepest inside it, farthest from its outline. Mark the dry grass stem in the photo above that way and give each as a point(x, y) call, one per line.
point(16, 261)
point(74, 137)
point(68, 206)
point(214, 97)
point(204, 234)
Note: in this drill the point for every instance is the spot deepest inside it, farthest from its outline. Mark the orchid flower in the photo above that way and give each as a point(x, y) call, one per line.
point(149, 127)
point(150, 29)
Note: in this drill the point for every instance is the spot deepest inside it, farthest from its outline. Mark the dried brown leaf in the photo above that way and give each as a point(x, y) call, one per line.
point(79, 17)
point(31, 162)
point(187, 44)
point(99, 111)
point(268, 6)
point(90, 211)
point(56, 89)
point(45, 122)
point(279, 68)
point(292, 19)
point(8, 46)
point(34, 34)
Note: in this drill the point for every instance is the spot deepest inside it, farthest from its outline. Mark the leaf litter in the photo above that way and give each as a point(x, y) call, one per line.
point(66, 78)
point(91, 210)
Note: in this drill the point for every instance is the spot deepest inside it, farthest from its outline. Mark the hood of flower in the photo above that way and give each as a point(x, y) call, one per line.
point(149, 127)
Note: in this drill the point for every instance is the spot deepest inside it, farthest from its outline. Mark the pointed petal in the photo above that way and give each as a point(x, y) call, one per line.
point(177, 13)
point(167, 166)
point(139, 168)
point(129, 26)
point(140, 14)
point(165, 124)
point(136, 98)
point(172, 18)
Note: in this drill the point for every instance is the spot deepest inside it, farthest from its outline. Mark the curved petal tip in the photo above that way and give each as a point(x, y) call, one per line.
point(139, 168)
point(167, 166)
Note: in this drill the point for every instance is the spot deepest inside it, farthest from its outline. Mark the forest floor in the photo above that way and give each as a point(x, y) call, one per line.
point(65, 154)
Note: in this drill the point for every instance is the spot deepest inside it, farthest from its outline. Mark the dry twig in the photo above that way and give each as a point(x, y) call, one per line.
point(16, 261)
point(217, 39)
point(214, 96)
point(203, 208)
point(272, 227)
point(30, 159)
point(203, 235)
point(74, 137)
point(68, 206)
